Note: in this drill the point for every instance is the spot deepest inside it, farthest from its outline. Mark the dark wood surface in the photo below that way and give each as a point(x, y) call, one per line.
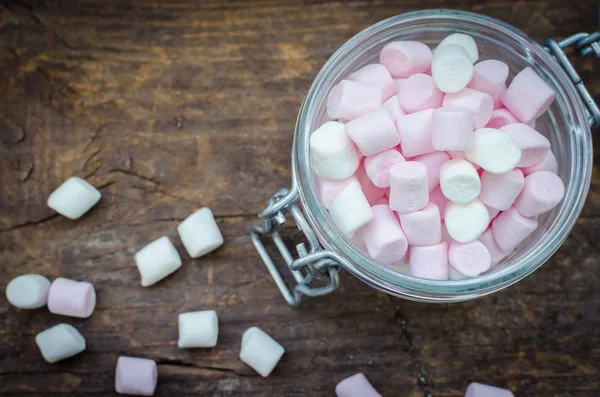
point(168, 106)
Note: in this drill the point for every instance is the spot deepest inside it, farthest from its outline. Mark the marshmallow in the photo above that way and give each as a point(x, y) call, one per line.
point(500, 190)
point(469, 259)
point(330, 188)
point(71, 298)
point(454, 275)
point(466, 222)
point(378, 166)
point(405, 58)
point(422, 227)
point(399, 82)
point(459, 181)
point(350, 99)
point(374, 132)
point(478, 103)
point(157, 260)
point(490, 77)
point(451, 68)
point(200, 233)
point(496, 253)
point(198, 329)
point(510, 229)
point(372, 193)
point(135, 376)
point(500, 118)
point(351, 210)
point(528, 96)
point(498, 101)
point(409, 190)
point(463, 40)
point(382, 236)
point(542, 191)
point(433, 162)
point(492, 212)
point(392, 106)
point(377, 75)
point(429, 261)
point(549, 163)
point(332, 152)
point(29, 291)
point(534, 146)
point(383, 200)
point(494, 151)
point(60, 342)
point(260, 351)
point(437, 197)
point(479, 390)
point(356, 386)
point(415, 133)
point(419, 92)
point(74, 198)
point(452, 129)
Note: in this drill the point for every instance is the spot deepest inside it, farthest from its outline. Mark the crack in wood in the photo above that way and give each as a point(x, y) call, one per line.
point(29, 223)
point(186, 364)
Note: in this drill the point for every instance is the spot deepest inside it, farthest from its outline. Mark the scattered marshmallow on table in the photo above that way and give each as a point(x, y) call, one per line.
point(330, 188)
point(372, 193)
point(433, 162)
point(481, 390)
point(419, 92)
point(452, 129)
point(437, 197)
point(478, 103)
point(496, 253)
point(356, 386)
point(374, 132)
point(549, 163)
point(528, 96)
point(459, 181)
point(405, 58)
point(510, 228)
point(422, 227)
point(463, 40)
point(157, 260)
point(489, 76)
point(377, 75)
point(383, 237)
point(136, 376)
point(392, 106)
point(351, 210)
point(534, 146)
point(351, 99)
point(409, 190)
point(198, 329)
point(542, 191)
point(200, 233)
point(28, 291)
point(333, 153)
point(415, 133)
point(429, 261)
point(74, 198)
point(451, 68)
point(260, 351)
point(501, 190)
point(71, 298)
point(378, 166)
point(466, 222)
point(470, 259)
point(60, 342)
point(494, 151)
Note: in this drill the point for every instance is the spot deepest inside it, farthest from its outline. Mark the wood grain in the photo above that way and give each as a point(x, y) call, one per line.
point(171, 106)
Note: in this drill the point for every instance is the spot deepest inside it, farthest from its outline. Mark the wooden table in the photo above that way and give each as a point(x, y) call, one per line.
point(174, 105)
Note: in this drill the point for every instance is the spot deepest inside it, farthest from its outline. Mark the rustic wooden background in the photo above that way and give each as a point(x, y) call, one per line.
point(168, 106)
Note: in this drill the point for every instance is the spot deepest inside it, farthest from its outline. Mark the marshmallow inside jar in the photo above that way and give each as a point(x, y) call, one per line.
point(563, 123)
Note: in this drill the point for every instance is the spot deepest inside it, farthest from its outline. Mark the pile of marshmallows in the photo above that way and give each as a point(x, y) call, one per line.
point(433, 162)
point(135, 376)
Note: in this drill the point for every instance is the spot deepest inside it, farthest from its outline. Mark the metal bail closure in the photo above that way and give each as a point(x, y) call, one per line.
point(311, 265)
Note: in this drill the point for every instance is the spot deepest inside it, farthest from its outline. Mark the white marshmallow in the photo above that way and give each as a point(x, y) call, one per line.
point(465, 41)
point(452, 68)
point(198, 329)
point(466, 222)
point(60, 342)
point(351, 210)
point(74, 198)
point(459, 181)
point(157, 260)
point(200, 233)
point(494, 151)
point(260, 351)
point(29, 291)
point(333, 153)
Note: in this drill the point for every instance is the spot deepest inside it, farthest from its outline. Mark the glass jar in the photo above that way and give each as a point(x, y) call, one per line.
point(566, 124)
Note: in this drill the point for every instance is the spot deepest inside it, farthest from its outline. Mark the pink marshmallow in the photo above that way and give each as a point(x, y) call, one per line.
point(490, 77)
point(383, 200)
point(437, 197)
point(373, 132)
point(392, 106)
point(543, 190)
point(510, 229)
point(419, 92)
point(445, 235)
point(501, 190)
point(378, 166)
point(452, 129)
point(135, 376)
point(383, 238)
point(405, 58)
point(399, 83)
point(492, 212)
point(330, 188)
point(372, 193)
point(377, 75)
point(356, 386)
point(470, 259)
point(408, 187)
point(480, 104)
point(71, 298)
point(422, 227)
point(549, 163)
point(350, 99)
point(534, 146)
point(500, 118)
point(415, 133)
point(496, 253)
point(528, 96)
point(480, 390)
point(429, 261)
point(433, 162)
point(498, 101)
